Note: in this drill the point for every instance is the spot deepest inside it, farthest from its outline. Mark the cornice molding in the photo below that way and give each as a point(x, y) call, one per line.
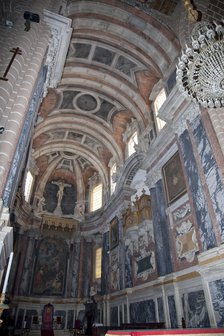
point(58, 46)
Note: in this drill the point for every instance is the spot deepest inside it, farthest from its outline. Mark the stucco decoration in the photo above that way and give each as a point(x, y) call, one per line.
point(58, 46)
point(182, 212)
point(186, 241)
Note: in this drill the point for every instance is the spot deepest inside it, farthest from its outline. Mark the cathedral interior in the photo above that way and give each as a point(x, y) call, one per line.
point(112, 163)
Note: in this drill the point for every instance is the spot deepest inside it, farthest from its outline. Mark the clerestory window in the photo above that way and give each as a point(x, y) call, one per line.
point(96, 197)
point(158, 102)
point(131, 144)
point(28, 186)
point(98, 262)
point(113, 170)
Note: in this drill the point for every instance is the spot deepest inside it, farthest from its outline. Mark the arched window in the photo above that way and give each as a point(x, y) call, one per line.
point(158, 102)
point(96, 197)
point(28, 186)
point(113, 170)
point(131, 144)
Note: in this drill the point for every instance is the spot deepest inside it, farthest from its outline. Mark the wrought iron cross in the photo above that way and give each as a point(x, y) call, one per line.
point(15, 51)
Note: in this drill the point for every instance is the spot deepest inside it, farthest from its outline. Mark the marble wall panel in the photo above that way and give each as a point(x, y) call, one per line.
point(114, 270)
point(50, 196)
point(217, 295)
point(161, 229)
point(128, 267)
point(70, 319)
point(121, 249)
point(211, 171)
point(81, 316)
point(62, 315)
point(142, 312)
point(161, 309)
point(69, 200)
point(125, 314)
point(172, 312)
point(27, 268)
point(120, 314)
point(105, 265)
point(29, 314)
point(197, 193)
point(195, 310)
point(75, 270)
point(20, 317)
point(87, 268)
point(114, 316)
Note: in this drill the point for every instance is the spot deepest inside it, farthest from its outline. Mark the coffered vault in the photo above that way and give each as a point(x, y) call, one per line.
point(115, 57)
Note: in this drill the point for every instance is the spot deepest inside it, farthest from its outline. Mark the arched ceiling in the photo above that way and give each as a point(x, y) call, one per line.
point(117, 53)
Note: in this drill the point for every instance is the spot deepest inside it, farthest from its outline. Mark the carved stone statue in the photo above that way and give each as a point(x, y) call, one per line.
point(61, 185)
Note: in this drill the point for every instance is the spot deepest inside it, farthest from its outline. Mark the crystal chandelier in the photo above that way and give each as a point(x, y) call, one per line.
point(200, 69)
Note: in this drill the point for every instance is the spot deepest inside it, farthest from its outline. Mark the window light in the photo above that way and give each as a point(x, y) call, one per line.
point(160, 99)
point(112, 183)
point(28, 186)
point(131, 144)
point(98, 263)
point(96, 197)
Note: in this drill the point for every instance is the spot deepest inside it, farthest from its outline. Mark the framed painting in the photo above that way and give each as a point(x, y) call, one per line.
point(114, 233)
point(174, 178)
point(50, 267)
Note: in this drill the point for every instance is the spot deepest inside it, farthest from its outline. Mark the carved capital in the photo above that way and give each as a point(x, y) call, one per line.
point(153, 176)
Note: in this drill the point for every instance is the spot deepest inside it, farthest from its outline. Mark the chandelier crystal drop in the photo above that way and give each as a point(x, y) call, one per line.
point(200, 69)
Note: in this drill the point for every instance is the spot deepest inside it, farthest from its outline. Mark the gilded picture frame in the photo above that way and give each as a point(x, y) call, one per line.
point(174, 180)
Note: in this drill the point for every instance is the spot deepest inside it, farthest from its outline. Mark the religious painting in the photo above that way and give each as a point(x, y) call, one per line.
point(114, 232)
point(174, 178)
point(50, 267)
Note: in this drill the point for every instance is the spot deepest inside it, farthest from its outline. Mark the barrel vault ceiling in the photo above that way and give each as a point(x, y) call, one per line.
point(118, 51)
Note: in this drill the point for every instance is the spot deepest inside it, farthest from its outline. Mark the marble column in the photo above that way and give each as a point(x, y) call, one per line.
point(128, 307)
point(161, 229)
point(178, 304)
point(105, 264)
point(208, 300)
point(166, 308)
point(212, 175)
point(199, 201)
point(75, 269)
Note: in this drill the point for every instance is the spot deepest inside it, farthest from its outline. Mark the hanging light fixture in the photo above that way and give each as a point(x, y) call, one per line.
point(200, 69)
